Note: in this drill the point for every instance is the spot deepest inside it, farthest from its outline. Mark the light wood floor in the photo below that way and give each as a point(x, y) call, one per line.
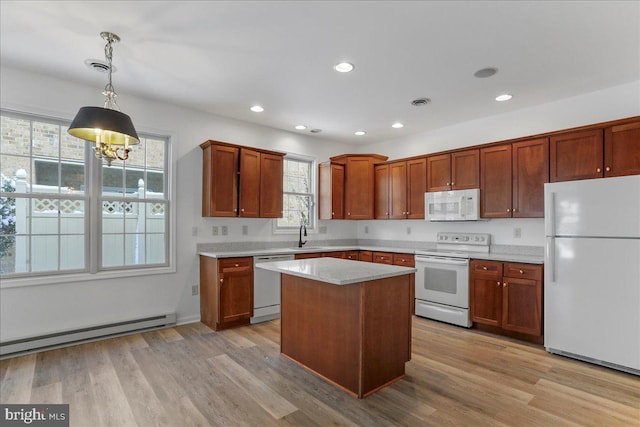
point(190, 375)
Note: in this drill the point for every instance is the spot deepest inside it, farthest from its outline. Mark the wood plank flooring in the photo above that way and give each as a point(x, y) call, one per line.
point(192, 376)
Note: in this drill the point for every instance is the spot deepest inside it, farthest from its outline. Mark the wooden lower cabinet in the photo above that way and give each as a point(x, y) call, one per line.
point(507, 296)
point(226, 291)
point(366, 256)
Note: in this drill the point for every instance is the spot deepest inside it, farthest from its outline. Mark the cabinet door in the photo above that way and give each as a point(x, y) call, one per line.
point(398, 190)
point(416, 187)
point(236, 295)
point(359, 188)
point(530, 172)
point(486, 292)
point(271, 176)
point(220, 181)
point(439, 173)
point(522, 306)
point(331, 191)
point(465, 170)
point(495, 182)
point(249, 183)
point(622, 150)
point(381, 184)
point(576, 155)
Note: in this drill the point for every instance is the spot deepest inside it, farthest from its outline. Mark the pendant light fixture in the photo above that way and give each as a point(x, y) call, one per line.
point(107, 127)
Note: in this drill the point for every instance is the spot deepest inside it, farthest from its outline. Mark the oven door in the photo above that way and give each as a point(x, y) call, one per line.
point(443, 280)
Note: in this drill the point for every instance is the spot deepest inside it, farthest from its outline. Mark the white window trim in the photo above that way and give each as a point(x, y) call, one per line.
point(40, 279)
point(314, 209)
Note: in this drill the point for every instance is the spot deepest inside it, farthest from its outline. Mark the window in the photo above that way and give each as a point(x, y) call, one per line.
point(299, 197)
point(63, 211)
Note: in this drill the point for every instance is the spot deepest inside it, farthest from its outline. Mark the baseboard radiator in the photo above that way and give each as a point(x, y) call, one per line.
point(77, 336)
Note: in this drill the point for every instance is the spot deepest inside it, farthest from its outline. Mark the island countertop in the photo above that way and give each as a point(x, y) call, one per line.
point(336, 271)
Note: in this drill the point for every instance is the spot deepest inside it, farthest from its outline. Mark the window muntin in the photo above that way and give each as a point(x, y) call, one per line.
point(298, 194)
point(45, 195)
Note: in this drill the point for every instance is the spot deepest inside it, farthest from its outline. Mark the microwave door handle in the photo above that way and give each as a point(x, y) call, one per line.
point(462, 210)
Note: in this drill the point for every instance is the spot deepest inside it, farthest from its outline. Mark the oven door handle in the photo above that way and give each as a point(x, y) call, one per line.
point(448, 261)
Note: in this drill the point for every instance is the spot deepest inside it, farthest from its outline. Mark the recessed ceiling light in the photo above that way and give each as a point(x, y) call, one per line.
point(257, 109)
point(485, 72)
point(420, 102)
point(360, 132)
point(315, 130)
point(503, 97)
point(397, 125)
point(344, 67)
point(301, 127)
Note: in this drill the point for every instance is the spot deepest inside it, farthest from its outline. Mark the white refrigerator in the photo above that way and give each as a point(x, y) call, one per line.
point(592, 271)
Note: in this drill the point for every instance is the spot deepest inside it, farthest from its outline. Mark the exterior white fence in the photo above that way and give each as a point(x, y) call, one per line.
point(51, 232)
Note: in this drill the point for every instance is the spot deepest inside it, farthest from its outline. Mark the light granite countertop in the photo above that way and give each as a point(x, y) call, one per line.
point(491, 256)
point(336, 271)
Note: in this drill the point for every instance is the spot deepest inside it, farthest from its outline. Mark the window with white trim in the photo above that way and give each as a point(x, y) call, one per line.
point(64, 211)
point(299, 194)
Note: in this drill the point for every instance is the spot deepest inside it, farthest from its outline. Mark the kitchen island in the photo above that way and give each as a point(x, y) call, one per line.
point(346, 321)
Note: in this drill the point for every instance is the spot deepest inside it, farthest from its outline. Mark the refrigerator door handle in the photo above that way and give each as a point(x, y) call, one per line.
point(550, 214)
point(551, 258)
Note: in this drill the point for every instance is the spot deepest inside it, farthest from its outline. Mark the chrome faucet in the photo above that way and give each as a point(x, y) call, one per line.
point(300, 242)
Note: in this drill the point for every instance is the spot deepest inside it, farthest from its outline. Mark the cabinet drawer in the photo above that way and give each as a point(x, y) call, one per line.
point(479, 267)
point(366, 256)
point(383, 257)
point(227, 265)
point(335, 254)
point(405, 260)
point(523, 271)
point(353, 255)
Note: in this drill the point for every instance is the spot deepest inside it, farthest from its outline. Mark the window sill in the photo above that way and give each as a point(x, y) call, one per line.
point(19, 282)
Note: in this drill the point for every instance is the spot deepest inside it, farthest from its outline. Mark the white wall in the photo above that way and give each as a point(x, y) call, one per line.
point(35, 310)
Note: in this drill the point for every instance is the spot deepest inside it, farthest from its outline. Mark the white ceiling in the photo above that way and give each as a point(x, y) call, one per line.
point(224, 56)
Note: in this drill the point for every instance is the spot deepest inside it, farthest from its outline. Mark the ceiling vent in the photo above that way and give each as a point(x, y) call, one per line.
point(315, 130)
point(420, 102)
point(98, 65)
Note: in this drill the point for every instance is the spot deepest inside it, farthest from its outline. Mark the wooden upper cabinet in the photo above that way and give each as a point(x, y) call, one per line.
point(459, 170)
point(331, 191)
point(416, 187)
point(359, 184)
point(219, 180)
point(576, 155)
point(271, 185)
point(495, 181)
point(530, 172)
point(465, 169)
point(398, 190)
point(439, 173)
point(381, 188)
point(249, 183)
point(622, 150)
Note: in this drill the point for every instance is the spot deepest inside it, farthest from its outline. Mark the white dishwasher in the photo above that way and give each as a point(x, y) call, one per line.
point(266, 289)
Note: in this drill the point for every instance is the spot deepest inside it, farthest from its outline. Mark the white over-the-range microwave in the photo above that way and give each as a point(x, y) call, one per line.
point(456, 205)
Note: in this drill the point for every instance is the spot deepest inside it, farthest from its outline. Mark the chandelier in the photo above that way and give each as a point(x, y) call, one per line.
point(110, 129)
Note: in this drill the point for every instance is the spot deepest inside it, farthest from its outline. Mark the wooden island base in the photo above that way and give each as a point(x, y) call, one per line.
point(356, 336)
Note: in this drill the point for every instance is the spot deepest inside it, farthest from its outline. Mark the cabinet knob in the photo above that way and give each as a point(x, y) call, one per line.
point(508, 210)
point(242, 210)
point(607, 169)
point(484, 268)
point(598, 170)
point(504, 284)
point(221, 280)
point(386, 213)
point(453, 183)
point(521, 272)
point(237, 265)
point(498, 283)
point(349, 213)
point(448, 183)
point(515, 209)
point(333, 213)
point(408, 213)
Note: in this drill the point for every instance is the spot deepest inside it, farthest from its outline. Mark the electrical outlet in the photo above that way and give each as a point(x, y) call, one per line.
point(194, 290)
point(194, 231)
point(214, 230)
point(323, 229)
point(366, 229)
point(245, 230)
point(225, 230)
point(408, 230)
point(517, 232)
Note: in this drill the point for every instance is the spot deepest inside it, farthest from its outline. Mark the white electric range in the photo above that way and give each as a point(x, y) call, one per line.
point(442, 279)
